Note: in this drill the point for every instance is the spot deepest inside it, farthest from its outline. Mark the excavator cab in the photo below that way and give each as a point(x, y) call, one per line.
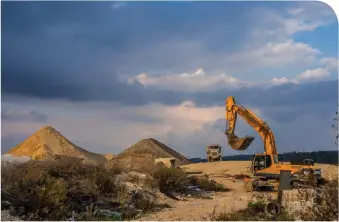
point(262, 161)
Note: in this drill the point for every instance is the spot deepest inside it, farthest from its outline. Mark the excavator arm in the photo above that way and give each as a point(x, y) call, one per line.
point(233, 109)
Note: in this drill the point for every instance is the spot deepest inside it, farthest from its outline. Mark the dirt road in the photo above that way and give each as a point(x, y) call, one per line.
point(236, 199)
point(200, 209)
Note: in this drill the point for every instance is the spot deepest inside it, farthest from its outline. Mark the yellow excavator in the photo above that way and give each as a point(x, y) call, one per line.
point(265, 166)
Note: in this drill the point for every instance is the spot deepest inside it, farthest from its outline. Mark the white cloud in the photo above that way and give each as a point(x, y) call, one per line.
point(284, 23)
point(105, 127)
point(201, 81)
point(292, 26)
point(278, 54)
point(313, 74)
point(295, 11)
point(269, 55)
point(198, 80)
point(330, 63)
point(306, 76)
point(283, 80)
point(271, 47)
point(117, 126)
point(118, 4)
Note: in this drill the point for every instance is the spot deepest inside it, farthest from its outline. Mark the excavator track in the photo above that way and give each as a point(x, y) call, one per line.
point(256, 184)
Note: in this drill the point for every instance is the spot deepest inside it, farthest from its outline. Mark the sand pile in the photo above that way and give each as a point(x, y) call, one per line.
point(109, 156)
point(141, 156)
point(47, 142)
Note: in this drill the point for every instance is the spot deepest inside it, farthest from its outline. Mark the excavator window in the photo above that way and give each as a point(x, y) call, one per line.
point(268, 161)
point(262, 162)
point(259, 163)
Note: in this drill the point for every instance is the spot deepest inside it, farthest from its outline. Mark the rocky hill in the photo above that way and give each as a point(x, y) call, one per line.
point(47, 142)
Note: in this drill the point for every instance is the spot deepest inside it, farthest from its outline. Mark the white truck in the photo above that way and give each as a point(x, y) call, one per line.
point(214, 153)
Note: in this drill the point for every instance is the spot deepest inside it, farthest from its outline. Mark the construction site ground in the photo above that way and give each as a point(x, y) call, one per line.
point(236, 199)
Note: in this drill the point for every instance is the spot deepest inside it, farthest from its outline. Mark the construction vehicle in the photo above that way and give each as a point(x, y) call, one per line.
point(214, 153)
point(265, 166)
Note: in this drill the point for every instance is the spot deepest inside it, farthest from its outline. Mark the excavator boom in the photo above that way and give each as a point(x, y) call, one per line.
point(265, 166)
point(233, 109)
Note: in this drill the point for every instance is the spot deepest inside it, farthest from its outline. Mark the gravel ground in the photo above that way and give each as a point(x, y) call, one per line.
point(6, 217)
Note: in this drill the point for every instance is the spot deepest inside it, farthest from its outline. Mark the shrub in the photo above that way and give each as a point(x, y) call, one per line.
point(171, 179)
point(325, 207)
point(52, 189)
point(176, 180)
point(255, 211)
point(207, 184)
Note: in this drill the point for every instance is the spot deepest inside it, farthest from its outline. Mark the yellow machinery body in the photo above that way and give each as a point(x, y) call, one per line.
point(264, 165)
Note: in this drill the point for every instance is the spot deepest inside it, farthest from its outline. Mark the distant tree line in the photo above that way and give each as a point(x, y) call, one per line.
point(327, 157)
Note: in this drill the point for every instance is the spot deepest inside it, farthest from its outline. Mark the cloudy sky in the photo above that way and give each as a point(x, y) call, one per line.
point(107, 74)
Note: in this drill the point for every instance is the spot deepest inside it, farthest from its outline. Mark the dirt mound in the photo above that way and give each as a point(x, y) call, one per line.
point(109, 156)
point(141, 156)
point(47, 143)
point(153, 149)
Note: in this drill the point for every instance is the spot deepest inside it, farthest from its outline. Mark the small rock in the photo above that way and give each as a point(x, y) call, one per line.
point(121, 178)
point(137, 174)
point(131, 186)
point(5, 204)
point(5, 216)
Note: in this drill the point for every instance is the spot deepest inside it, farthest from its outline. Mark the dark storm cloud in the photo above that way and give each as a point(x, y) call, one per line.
point(74, 51)
point(283, 95)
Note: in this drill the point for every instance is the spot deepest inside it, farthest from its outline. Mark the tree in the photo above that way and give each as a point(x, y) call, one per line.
point(335, 127)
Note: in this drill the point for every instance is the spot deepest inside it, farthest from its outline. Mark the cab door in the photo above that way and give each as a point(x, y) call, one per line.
point(261, 162)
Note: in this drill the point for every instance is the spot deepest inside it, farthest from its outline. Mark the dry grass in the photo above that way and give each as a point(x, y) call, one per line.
point(325, 207)
point(255, 211)
point(51, 190)
point(208, 185)
point(176, 180)
point(171, 179)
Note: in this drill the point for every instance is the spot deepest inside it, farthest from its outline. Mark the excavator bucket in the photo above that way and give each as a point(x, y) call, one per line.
point(239, 143)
